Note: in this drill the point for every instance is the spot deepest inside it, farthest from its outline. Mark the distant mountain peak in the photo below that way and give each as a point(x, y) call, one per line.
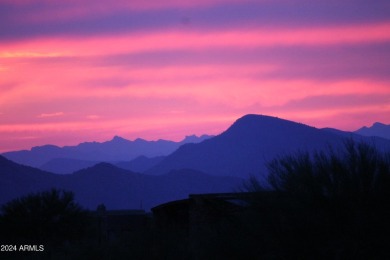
point(190, 136)
point(253, 118)
point(45, 147)
point(118, 139)
point(254, 124)
point(378, 124)
point(100, 167)
point(377, 129)
point(195, 138)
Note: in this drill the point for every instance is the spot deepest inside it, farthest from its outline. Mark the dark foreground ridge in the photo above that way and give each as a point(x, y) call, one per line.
point(250, 225)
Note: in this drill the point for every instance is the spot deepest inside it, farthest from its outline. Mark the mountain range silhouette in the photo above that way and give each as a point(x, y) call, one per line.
point(68, 159)
point(377, 129)
point(244, 148)
point(215, 164)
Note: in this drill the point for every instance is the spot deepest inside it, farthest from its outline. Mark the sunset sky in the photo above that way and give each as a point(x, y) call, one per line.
point(86, 70)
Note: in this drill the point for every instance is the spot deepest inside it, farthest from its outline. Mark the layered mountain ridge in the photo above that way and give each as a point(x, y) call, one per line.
point(216, 164)
point(116, 150)
point(245, 147)
point(115, 187)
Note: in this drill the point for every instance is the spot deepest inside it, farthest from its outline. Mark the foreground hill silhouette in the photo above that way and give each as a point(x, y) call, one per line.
point(252, 140)
point(67, 165)
point(115, 187)
point(16, 180)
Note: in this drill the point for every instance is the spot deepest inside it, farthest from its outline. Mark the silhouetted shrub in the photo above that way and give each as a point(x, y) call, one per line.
point(333, 204)
point(358, 172)
point(45, 217)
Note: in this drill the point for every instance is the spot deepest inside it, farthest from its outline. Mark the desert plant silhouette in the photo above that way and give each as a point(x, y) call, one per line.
point(335, 204)
point(44, 217)
point(360, 169)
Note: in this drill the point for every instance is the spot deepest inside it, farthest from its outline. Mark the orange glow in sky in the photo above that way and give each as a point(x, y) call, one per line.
point(70, 74)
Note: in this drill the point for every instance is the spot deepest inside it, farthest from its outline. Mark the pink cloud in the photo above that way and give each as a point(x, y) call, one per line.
point(56, 114)
point(169, 99)
point(73, 9)
point(181, 40)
